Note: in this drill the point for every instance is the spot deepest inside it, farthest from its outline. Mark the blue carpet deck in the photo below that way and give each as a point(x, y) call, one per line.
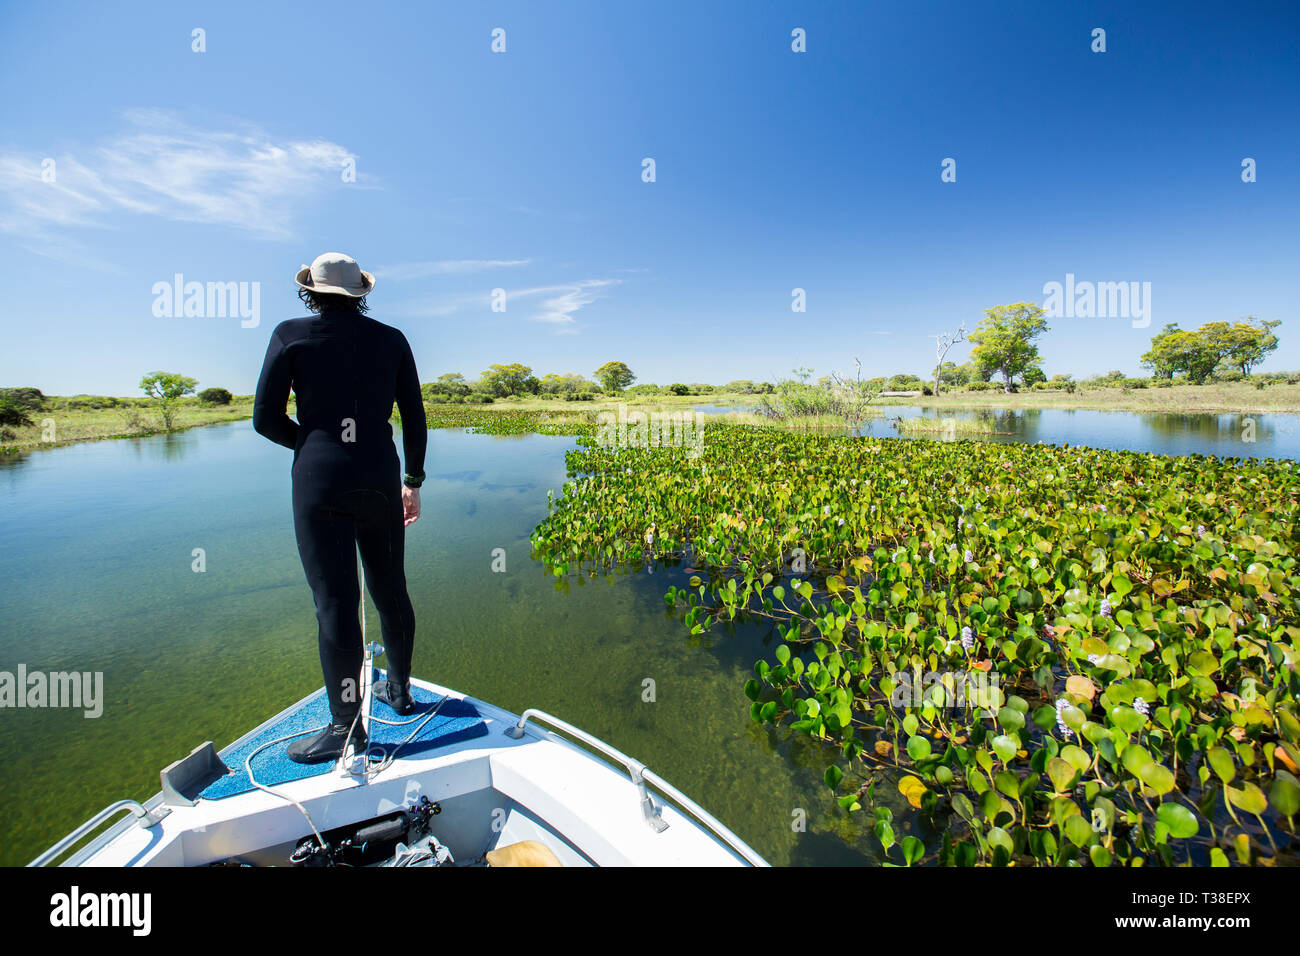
point(456, 721)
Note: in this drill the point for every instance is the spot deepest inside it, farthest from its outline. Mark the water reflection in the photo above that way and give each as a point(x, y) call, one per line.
point(1225, 435)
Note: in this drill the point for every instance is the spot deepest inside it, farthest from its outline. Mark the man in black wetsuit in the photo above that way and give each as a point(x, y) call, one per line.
point(348, 489)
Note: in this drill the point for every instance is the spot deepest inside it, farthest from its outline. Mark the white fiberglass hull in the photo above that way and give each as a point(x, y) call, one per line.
point(492, 791)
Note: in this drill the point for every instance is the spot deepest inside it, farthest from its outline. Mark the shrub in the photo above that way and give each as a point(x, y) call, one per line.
point(677, 388)
point(215, 396)
point(11, 413)
point(30, 399)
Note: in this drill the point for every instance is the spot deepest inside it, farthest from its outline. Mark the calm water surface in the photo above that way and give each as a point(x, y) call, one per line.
point(1229, 435)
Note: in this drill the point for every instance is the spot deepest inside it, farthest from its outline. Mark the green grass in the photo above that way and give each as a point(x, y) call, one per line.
point(1237, 397)
point(65, 421)
point(946, 426)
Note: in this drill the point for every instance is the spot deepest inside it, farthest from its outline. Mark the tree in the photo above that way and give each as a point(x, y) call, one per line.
point(451, 383)
point(167, 388)
point(566, 384)
point(513, 379)
point(677, 388)
point(1004, 340)
point(614, 377)
point(1161, 357)
point(1242, 345)
point(949, 374)
point(1248, 343)
point(1197, 354)
point(943, 342)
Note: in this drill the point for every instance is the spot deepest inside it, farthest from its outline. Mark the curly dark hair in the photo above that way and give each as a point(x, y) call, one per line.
point(316, 301)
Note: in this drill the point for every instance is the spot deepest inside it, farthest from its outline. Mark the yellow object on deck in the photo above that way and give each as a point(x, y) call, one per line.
point(523, 853)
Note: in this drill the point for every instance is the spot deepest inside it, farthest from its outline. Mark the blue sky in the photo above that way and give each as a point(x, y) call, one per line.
point(522, 170)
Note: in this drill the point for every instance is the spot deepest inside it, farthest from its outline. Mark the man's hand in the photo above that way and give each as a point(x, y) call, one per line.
point(410, 505)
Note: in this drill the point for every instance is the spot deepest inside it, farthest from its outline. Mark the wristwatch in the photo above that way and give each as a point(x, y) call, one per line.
point(413, 481)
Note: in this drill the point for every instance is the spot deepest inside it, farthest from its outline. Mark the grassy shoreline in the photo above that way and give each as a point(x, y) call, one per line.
point(137, 418)
point(1242, 398)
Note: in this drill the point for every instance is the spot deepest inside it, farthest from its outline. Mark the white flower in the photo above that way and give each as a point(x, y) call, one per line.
point(826, 509)
point(967, 638)
point(1141, 706)
point(1094, 658)
point(840, 522)
point(1061, 725)
point(968, 557)
point(1105, 608)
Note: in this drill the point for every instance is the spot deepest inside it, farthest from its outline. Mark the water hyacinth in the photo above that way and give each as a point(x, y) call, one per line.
point(863, 609)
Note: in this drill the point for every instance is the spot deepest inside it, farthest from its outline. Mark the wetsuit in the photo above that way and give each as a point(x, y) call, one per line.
point(347, 370)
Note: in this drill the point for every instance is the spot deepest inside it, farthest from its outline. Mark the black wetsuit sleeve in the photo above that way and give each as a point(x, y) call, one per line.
point(272, 397)
point(415, 428)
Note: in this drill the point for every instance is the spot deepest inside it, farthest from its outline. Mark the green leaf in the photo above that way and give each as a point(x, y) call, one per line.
point(1248, 797)
point(1010, 718)
point(833, 776)
point(1077, 830)
point(1061, 774)
point(918, 748)
point(1222, 764)
point(1285, 793)
point(1126, 719)
point(1158, 777)
point(1180, 821)
point(913, 849)
point(1005, 747)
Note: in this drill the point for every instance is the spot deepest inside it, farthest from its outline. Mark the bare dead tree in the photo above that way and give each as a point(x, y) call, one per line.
point(943, 342)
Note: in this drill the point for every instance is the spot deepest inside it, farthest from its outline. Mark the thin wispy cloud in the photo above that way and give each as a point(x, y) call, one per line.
point(564, 300)
point(160, 166)
point(445, 267)
point(559, 303)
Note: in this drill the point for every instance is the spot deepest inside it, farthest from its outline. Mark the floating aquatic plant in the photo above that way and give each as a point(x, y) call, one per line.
point(1134, 617)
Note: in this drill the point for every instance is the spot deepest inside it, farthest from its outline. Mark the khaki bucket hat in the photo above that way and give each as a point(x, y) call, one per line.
point(334, 272)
